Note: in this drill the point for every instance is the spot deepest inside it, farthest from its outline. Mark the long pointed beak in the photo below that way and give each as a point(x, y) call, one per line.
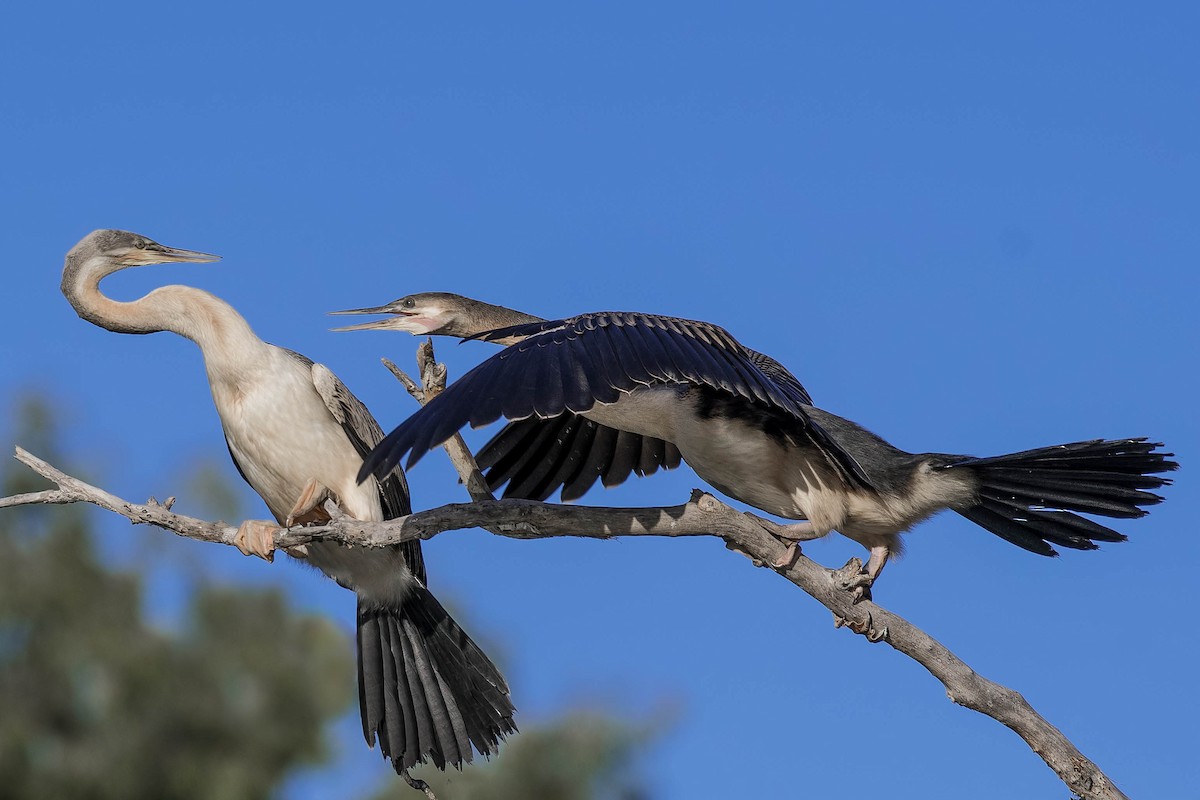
point(376, 310)
point(165, 255)
point(389, 324)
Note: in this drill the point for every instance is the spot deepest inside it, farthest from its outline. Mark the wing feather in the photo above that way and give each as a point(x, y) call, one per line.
point(598, 459)
point(364, 433)
point(502, 455)
point(569, 365)
point(626, 451)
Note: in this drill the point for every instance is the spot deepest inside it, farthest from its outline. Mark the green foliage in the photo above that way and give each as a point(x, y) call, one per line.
point(96, 702)
point(99, 704)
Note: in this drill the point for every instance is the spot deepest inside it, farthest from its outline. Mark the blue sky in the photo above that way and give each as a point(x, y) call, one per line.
point(971, 230)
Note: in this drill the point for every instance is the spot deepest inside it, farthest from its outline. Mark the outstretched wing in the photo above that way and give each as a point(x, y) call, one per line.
point(572, 364)
point(788, 383)
point(537, 456)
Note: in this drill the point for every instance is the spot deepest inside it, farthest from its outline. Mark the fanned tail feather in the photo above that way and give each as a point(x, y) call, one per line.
point(426, 691)
point(1033, 498)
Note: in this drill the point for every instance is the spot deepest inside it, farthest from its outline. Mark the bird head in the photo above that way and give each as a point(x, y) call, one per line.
point(438, 313)
point(125, 249)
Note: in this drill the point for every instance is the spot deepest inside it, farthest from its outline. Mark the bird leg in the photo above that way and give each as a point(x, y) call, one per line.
point(795, 533)
point(256, 537)
point(856, 578)
point(309, 509)
point(308, 506)
point(880, 554)
point(862, 578)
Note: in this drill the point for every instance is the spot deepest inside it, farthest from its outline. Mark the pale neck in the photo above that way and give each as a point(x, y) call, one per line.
point(192, 313)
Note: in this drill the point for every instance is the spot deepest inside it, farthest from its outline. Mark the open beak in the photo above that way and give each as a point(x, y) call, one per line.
point(390, 323)
point(160, 254)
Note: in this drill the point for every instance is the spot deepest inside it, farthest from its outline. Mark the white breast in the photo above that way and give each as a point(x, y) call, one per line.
point(737, 458)
point(282, 436)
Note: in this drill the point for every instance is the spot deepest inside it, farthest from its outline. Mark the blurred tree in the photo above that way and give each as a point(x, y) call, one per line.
point(95, 702)
point(98, 704)
point(581, 756)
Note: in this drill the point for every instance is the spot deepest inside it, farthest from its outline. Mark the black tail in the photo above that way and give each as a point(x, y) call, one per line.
point(425, 688)
point(1028, 498)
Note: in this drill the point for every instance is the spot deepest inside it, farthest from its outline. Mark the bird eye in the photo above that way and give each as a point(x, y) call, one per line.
point(407, 302)
point(140, 244)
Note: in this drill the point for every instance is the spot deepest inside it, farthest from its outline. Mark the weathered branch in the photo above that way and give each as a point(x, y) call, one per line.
point(702, 515)
point(418, 784)
point(433, 381)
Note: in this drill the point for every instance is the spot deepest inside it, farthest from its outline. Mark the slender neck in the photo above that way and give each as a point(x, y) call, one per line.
point(207, 320)
point(487, 317)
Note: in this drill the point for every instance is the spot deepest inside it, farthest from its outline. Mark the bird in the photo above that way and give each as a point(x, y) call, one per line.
point(526, 453)
point(747, 426)
point(298, 436)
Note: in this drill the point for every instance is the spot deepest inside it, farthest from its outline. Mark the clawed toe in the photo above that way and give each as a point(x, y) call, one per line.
point(861, 592)
point(310, 501)
point(788, 559)
point(851, 578)
point(865, 627)
point(256, 537)
point(854, 579)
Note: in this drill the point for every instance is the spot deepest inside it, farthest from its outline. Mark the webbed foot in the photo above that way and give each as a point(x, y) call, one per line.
point(256, 537)
point(308, 507)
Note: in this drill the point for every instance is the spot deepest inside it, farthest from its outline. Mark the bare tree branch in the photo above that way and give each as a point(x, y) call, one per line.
point(703, 515)
point(418, 784)
point(433, 381)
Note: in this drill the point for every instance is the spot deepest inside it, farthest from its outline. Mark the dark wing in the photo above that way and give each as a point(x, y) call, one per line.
point(782, 377)
point(538, 456)
point(364, 433)
point(640, 349)
point(572, 364)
